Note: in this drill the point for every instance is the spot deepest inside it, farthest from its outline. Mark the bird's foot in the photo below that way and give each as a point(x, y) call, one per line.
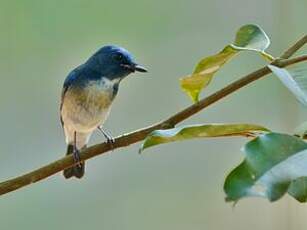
point(110, 139)
point(76, 156)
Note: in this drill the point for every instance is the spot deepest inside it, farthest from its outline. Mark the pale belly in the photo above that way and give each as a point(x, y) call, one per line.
point(84, 110)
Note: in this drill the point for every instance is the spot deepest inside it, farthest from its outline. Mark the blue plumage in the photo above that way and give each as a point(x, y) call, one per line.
point(87, 95)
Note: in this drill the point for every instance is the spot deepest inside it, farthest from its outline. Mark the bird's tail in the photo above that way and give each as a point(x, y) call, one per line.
point(75, 171)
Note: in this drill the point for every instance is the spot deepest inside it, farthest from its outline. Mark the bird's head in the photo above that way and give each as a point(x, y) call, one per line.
point(114, 62)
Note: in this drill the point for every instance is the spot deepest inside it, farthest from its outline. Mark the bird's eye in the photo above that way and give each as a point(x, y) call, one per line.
point(118, 57)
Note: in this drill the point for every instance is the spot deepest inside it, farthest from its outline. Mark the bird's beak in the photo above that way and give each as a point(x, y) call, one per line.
point(135, 67)
point(140, 68)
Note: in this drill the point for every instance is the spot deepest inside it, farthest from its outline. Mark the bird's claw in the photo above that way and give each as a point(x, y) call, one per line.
point(111, 142)
point(76, 156)
point(110, 139)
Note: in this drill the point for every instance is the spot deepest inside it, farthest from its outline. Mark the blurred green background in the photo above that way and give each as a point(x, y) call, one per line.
point(175, 186)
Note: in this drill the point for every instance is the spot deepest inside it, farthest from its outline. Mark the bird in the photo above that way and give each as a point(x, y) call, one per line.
point(87, 96)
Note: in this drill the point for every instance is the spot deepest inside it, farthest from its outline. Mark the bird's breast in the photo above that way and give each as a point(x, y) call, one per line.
point(88, 106)
point(96, 96)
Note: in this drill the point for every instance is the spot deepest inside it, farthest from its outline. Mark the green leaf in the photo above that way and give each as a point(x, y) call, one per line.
point(198, 131)
point(298, 189)
point(295, 81)
point(249, 37)
point(204, 71)
point(301, 130)
point(273, 166)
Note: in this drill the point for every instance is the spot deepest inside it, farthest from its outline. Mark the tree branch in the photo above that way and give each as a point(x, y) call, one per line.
point(138, 135)
point(295, 47)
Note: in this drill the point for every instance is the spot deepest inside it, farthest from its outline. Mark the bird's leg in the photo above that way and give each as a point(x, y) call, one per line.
point(76, 152)
point(109, 138)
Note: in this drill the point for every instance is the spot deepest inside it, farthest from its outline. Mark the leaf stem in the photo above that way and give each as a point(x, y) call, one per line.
point(267, 56)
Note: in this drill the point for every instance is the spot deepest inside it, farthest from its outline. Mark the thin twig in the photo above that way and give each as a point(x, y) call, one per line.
point(292, 61)
point(294, 48)
point(138, 135)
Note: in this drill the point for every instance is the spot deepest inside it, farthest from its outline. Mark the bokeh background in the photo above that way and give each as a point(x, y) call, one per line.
point(175, 186)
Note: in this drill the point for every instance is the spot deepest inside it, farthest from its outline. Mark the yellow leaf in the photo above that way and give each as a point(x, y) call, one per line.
point(204, 71)
point(248, 37)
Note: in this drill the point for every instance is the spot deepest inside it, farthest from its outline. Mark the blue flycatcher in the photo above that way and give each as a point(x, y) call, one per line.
point(87, 95)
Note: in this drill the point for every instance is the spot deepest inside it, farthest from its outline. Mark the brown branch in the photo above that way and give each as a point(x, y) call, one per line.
point(295, 47)
point(292, 61)
point(138, 135)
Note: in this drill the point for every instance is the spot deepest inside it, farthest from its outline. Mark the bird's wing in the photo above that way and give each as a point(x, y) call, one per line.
point(72, 76)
